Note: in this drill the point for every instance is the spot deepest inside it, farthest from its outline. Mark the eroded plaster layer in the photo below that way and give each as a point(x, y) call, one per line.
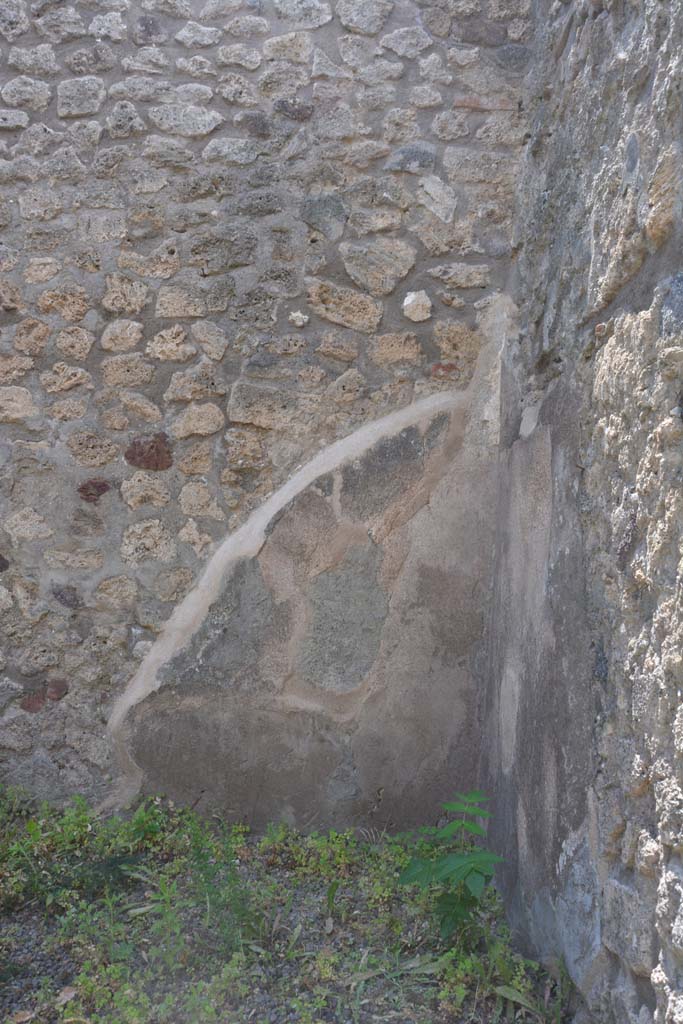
point(325, 669)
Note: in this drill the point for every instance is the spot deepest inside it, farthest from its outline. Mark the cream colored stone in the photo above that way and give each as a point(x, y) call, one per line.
point(202, 419)
point(417, 306)
point(145, 489)
point(190, 534)
point(75, 342)
point(197, 460)
point(16, 405)
point(463, 275)
point(388, 349)
point(139, 405)
point(26, 524)
point(124, 295)
point(163, 262)
point(147, 540)
point(14, 368)
point(176, 302)
point(31, 337)
point(82, 560)
point(344, 306)
point(64, 378)
point(40, 269)
point(347, 388)
point(121, 335)
point(196, 500)
point(296, 47)
point(210, 338)
point(130, 370)
point(116, 592)
point(91, 450)
point(171, 345)
point(71, 302)
point(69, 409)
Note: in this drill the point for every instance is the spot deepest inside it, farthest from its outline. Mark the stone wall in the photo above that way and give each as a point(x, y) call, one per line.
point(294, 517)
point(232, 234)
point(584, 730)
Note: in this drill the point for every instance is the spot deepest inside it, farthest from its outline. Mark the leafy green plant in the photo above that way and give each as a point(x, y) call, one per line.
point(461, 874)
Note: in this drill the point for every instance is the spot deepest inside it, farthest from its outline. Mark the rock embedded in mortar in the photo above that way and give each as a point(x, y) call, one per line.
point(417, 306)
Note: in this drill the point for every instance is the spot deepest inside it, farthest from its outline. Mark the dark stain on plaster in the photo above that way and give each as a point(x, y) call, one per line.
point(382, 475)
point(226, 650)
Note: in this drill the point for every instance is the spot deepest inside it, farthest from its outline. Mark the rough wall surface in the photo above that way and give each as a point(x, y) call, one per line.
point(587, 637)
point(232, 234)
point(265, 471)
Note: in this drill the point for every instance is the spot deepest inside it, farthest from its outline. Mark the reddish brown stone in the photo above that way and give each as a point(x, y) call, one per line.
point(34, 700)
point(150, 452)
point(92, 490)
point(56, 689)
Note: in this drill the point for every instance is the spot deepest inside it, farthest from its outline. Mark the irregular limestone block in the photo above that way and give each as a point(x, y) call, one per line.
point(344, 306)
point(16, 405)
point(378, 265)
point(417, 306)
point(78, 97)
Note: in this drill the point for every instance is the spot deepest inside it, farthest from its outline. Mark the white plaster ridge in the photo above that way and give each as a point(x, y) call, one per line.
point(246, 542)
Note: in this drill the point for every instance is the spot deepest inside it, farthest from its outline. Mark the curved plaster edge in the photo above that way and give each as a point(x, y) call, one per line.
point(244, 543)
point(497, 323)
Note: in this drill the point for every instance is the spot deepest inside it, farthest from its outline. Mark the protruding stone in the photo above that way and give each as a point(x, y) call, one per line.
point(121, 335)
point(64, 378)
point(78, 97)
point(147, 540)
point(198, 419)
point(124, 295)
point(27, 93)
point(91, 450)
point(130, 370)
point(378, 265)
point(304, 13)
point(144, 489)
point(194, 34)
point(438, 197)
point(16, 405)
point(186, 120)
point(407, 42)
point(13, 120)
point(365, 16)
point(75, 342)
point(31, 337)
point(231, 151)
point(417, 306)
point(14, 21)
point(26, 524)
point(344, 306)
